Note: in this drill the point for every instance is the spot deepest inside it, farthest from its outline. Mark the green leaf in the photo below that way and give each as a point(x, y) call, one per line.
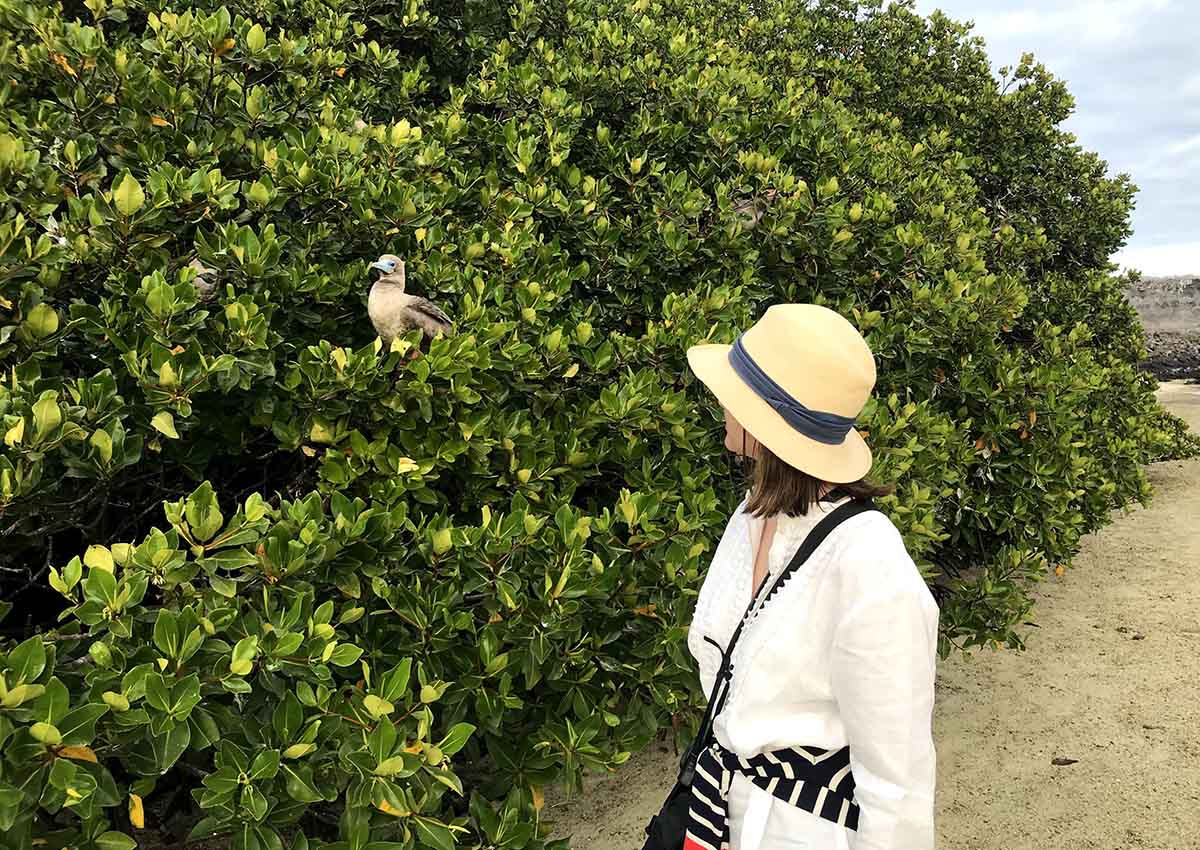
point(434, 834)
point(202, 512)
point(79, 726)
point(156, 755)
point(157, 694)
point(164, 423)
point(166, 633)
point(128, 195)
point(191, 644)
point(205, 732)
point(447, 778)
point(230, 559)
point(390, 766)
point(456, 738)
point(225, 780)
point(115, 841)
point(288, 717)
point(10, 800)
point(27, 661)
point(394, 683)
point(345, 655)
point(100, 586)
point(355, 826)
point(299, 784)
point(53, 705)
point(266, 765)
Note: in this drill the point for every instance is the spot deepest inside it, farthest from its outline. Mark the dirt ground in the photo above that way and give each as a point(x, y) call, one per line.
point(1111, 678)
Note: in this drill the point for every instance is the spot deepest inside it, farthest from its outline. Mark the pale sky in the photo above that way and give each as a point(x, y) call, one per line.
point(1132, 68)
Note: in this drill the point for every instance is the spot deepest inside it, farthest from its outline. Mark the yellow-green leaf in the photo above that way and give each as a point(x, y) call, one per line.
point(390, 767)
point(166, 375)
point(406, 464)
point(99, 557)
point(258, 194)
point(256, 39)
point(321, 432)
point(46, 414)
point(15, 434)
point(117, 702)
point(21, 694)
point(164, 423)
point(42, 321)
point(442, 541)
point(128, 195)
point(103, 444)
point(46, 734)
point(377, 707)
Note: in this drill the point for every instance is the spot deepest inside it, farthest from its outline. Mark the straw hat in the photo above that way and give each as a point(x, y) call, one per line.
point(796, 381)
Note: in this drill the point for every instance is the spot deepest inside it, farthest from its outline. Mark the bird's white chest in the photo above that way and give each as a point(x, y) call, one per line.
point(385, 307)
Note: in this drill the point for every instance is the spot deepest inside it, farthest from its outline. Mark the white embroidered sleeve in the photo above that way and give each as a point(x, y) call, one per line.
point(883, 668)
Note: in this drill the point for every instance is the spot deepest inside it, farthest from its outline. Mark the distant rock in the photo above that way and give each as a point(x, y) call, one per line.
point(1170, 311)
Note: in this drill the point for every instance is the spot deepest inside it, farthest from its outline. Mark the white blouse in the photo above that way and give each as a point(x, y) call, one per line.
point(844, 653)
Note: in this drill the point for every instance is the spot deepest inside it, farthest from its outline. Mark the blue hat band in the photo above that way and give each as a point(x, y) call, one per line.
point(828, 428)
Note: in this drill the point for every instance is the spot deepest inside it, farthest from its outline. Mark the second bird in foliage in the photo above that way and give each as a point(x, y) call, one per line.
point(393, 311)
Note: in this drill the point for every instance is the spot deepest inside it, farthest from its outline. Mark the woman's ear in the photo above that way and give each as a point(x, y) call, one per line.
point(737, 439)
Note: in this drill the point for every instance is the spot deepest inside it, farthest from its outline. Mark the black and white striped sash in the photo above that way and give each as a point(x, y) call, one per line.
point(815, 780)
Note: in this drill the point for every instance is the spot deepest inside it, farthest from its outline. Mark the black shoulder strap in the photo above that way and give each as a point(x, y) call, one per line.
point(721, 686)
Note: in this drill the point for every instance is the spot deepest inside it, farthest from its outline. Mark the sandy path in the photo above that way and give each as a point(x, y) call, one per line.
point(1111, 678)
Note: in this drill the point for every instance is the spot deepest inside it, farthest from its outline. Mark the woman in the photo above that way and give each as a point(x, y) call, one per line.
point(833, 677)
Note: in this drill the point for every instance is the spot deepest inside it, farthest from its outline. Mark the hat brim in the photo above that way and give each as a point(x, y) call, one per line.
point(838, 464)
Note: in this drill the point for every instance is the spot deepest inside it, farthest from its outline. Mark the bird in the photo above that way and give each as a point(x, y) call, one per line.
point(205, 279)
point(749, 211)
point(393, 311)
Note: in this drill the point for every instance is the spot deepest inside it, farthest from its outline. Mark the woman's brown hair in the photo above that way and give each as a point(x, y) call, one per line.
point(779, 488)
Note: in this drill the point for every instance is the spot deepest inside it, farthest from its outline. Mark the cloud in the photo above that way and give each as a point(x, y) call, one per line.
point(1180, 258)
point(1095, 22)
point(1185, 146)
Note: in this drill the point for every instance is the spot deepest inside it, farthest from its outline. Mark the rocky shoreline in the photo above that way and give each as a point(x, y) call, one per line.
point(1172, 356)
point(1170, 311)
